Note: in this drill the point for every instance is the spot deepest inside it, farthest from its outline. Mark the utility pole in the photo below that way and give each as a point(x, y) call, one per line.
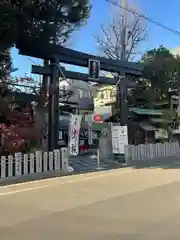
point(123, 32)
point(122, 85)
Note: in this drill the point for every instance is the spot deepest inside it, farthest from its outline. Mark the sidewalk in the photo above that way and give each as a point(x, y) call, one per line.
point(85, 163)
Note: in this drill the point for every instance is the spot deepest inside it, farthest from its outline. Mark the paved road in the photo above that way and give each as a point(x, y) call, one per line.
point(118, 204)
point(86, 162)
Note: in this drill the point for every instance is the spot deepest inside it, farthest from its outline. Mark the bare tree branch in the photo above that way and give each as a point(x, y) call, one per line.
point(109, 38)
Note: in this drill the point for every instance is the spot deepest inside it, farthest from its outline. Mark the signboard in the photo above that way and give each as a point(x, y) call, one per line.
point(119, 138)
point(94, 69)
point(74, 130)
point(161, 134)
point(98, 118)
point(106, 95)
point(60, 135)
point(84, 134)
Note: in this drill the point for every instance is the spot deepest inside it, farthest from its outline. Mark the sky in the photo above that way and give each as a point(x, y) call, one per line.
point(160, 10)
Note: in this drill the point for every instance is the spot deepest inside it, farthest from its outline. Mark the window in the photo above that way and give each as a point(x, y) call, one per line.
point(102, 95)
point(89, 94)
point(84, 94)
point(80, 93)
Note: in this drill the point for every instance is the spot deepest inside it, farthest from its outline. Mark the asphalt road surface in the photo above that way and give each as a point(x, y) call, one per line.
point(118, 204)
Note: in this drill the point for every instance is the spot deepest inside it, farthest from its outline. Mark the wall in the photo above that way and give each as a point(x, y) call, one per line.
point(81, 93)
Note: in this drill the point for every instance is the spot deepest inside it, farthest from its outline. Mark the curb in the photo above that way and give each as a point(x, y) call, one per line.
point(33, 177)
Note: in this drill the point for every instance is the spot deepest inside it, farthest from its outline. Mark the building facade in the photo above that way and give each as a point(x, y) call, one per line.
point(78, 94)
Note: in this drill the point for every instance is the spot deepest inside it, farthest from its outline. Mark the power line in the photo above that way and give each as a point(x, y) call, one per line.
point(144, 17)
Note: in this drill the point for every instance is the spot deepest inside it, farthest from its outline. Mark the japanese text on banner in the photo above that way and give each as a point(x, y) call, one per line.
point(74, 134)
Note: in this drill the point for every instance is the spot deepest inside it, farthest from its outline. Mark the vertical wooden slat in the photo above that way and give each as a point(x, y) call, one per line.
point(57, 159)
point(10, 166)
point(64, 159)
point(45, 161)
point(3, 167)
point(31, 163)
point(51, 158)
point(38, 161)
point(18, 161)
point(25, 160)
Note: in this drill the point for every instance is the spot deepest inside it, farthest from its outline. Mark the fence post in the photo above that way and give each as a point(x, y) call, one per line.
point(169, 149)
point(151, 150)
point(18, 166)
point(25, 160)
point(145, 151)
point(133, 153)
point(65, 159)
point(128, 154)
point(45, 161)
point(163, 149)
point(10, 166)
point(31, 163)
point(136, 152)
point(154, 150)
point(38, 161)
point(51, 158)
point(158, 149)
point(3, 167)
point(176, 149)
point(57, 159)
point(98, 161)
point(141, 151)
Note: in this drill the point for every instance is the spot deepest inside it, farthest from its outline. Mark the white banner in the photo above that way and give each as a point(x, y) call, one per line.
point(114, 133)
point(119, 138)
point(74, 130)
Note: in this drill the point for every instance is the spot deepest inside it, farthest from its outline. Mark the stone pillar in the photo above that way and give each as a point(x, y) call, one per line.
point(105, 145)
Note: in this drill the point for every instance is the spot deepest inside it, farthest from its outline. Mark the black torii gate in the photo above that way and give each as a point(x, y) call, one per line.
point(57, 54)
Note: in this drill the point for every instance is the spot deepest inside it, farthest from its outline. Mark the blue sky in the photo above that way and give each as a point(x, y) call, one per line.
point(159, 10)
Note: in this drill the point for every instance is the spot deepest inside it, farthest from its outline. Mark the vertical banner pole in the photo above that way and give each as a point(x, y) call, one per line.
point(98, 161)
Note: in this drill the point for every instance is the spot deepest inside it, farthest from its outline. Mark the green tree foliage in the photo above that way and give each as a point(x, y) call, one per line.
point(43, 20)
point(161, 70)
point(5, 65)
point(25, 21)
point(162, 73)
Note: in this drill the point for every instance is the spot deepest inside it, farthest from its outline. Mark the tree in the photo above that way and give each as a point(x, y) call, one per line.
point(27, 21)
point(17, 122)
point(161, 70)
point(44, 20)
point(125, 30)
point(109, 40)
point(5, 65)
point(18, 133)
point(161, 75)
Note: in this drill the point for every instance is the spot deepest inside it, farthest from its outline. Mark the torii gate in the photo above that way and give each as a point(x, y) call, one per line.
point(57, 54)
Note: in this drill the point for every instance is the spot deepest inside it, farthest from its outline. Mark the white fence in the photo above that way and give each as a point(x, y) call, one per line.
point(146, 152)
point(38, 162)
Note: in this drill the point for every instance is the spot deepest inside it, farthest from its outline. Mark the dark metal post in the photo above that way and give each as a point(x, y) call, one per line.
point(123, 101)
point(122, 86)
point(50, 117)
point(53, 125)
point(45, 79)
